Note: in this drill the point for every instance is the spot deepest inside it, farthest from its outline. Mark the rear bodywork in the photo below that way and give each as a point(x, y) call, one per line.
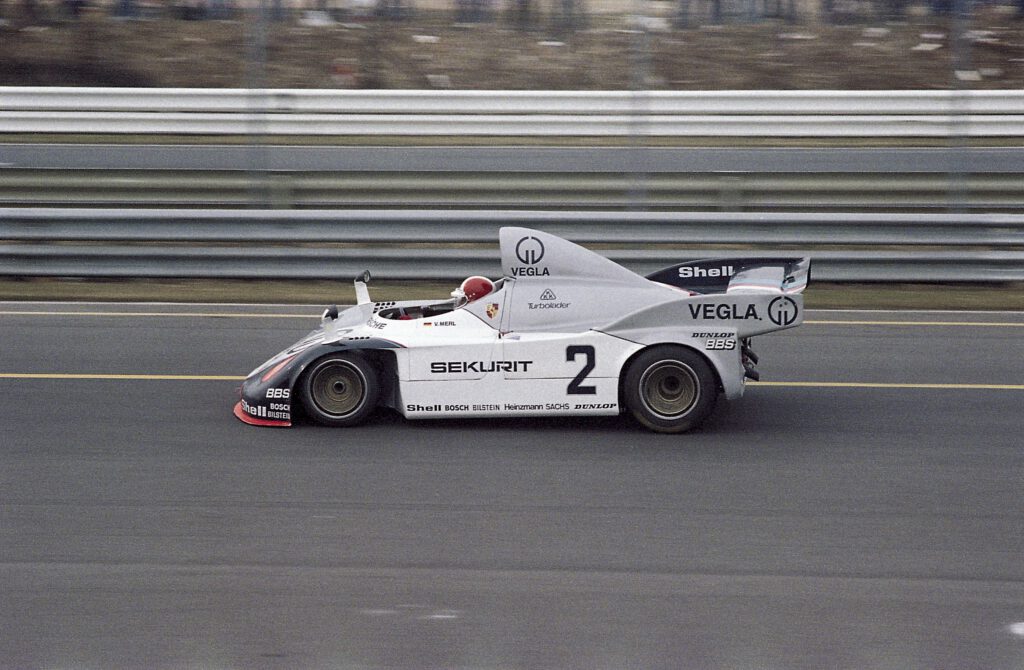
point(553, 338)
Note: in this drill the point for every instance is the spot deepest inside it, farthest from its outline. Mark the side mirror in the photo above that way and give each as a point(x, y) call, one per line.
point(362, 293)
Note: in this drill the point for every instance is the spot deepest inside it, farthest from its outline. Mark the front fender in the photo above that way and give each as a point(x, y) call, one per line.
point(267, 395)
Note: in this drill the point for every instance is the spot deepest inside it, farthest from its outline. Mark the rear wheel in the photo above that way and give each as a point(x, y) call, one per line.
point(340, 390)
point(670, 389)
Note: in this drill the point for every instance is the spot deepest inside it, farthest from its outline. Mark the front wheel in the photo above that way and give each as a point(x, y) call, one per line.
point(670, 389)
point(340, 390)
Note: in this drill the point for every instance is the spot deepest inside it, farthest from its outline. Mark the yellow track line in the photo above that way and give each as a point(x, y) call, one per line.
point(972, 324)
point(58, 375)
point(888, 385)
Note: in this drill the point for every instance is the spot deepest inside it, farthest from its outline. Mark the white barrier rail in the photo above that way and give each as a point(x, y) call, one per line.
point(514, 113)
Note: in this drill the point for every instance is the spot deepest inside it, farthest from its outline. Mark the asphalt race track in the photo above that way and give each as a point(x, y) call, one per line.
point(864, 512)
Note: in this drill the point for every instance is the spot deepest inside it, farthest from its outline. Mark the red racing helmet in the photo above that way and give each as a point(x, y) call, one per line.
point(474, 288)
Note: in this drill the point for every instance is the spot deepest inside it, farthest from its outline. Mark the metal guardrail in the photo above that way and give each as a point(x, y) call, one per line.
point(480, 227)
point(33, 98)
point(508, 190)
point(451, 245)
point(455, 264)
point(514, 113)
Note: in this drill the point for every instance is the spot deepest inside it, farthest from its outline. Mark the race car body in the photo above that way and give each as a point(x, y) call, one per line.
point(565, 331)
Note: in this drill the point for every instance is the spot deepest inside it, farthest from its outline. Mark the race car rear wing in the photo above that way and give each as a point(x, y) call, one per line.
point(738, 275)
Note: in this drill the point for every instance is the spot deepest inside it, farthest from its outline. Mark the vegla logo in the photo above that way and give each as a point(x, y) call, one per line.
point(548, 294)
point(723, 311)
point(783, 311)
point(530, 251)
point(492, 310)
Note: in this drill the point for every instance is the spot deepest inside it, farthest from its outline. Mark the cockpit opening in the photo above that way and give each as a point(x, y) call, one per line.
point(416, 311)
point(470, 290)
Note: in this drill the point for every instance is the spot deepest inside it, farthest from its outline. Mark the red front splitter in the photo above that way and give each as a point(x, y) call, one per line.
point(244, 417)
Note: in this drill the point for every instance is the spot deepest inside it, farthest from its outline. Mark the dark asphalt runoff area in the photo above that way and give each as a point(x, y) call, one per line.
point(505, 159)
point(865, 512)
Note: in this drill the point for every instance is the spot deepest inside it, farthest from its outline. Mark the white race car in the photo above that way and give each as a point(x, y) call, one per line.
point(565, 331)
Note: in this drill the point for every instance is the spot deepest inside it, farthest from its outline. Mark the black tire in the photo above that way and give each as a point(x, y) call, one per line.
point(670, 389)
point(339, 390)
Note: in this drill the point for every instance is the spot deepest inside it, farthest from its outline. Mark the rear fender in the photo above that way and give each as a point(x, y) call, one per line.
point(748, 314)
point(711, 346)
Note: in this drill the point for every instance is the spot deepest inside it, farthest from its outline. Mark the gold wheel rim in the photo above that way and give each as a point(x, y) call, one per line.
point(669, 389)
point(338, 388)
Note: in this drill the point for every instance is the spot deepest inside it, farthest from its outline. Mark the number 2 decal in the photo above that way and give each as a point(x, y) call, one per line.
point(575, 386)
